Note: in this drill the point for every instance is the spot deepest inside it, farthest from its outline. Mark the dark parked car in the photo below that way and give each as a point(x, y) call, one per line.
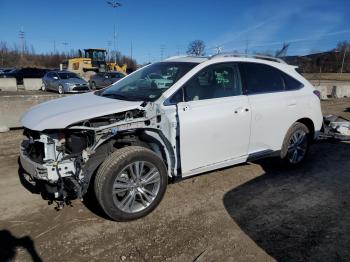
point(6, 70)
point(64, 82)
point(27, 72)
point(101, 80)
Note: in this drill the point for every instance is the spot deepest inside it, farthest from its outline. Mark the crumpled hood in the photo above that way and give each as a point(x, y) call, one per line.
point(62, 112)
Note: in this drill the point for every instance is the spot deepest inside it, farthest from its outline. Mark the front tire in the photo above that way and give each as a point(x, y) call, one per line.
point(296, 144)
point(130, 183)
point(60, 90)
point(43, 87)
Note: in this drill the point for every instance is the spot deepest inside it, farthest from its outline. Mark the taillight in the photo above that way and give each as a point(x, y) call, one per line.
point(317, 93)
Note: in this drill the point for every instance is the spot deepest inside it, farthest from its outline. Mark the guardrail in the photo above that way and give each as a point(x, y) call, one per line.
point(10, 84)
point(334, 91)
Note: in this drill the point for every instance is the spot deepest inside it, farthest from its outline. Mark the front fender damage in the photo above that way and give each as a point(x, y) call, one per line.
point(102, 134)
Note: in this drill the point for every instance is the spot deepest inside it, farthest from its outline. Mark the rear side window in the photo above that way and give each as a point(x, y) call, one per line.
point(261, 78)
point(291, 83)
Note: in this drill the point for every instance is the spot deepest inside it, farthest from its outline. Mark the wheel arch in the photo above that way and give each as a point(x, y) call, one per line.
point(149, 138)
point(310, 125)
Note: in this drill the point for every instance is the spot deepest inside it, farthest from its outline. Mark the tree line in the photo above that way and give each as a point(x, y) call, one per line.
point(333, 61)
point(27, 57)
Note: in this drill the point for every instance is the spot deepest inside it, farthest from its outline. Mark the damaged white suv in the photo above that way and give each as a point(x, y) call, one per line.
point(127, 140)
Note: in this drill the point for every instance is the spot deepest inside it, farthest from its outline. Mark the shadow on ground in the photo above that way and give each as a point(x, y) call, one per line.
point(10, 243)
point(301, 214)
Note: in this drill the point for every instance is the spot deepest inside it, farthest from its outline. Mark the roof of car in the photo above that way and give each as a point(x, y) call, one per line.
point(234, 56)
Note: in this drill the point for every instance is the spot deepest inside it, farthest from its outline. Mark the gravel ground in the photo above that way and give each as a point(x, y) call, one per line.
point(252, 212)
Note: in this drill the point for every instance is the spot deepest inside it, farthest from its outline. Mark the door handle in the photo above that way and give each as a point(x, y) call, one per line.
point(186, 108)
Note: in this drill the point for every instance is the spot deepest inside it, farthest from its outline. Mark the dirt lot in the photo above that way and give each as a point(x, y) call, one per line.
point(252, 212)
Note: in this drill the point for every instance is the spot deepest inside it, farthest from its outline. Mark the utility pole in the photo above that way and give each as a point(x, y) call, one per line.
point(246, 46)
point(131, 49)
point(114, 4)
point(162, 47)
point(21, 37)
point(342, 64)
point(54, 46)
point(65, 44)
point(114, 46)
point(177, 50)
point(109, 44)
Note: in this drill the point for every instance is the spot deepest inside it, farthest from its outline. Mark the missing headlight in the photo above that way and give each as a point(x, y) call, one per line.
point(77, 141)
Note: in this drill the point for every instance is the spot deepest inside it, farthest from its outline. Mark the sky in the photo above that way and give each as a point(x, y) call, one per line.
point(153, 27)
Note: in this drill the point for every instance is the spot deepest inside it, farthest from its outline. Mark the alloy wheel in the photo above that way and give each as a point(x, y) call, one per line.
point(60, 89)
point(136, 186)
point(297, 146)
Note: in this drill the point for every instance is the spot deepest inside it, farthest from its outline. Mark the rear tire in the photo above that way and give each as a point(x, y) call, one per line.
point(130, 183)
point(296, 145)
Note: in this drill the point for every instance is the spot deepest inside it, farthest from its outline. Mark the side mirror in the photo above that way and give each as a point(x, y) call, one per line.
point(106, 76)
point(55, 77)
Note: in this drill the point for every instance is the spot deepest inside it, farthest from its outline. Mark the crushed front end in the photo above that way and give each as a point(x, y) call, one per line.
point(54, 160)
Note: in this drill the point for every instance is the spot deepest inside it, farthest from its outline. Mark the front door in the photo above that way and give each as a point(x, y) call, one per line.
point(214, 119)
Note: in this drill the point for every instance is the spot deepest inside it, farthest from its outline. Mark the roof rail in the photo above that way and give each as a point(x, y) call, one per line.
point(268, 58)
point(184, 56)
point(175, 57)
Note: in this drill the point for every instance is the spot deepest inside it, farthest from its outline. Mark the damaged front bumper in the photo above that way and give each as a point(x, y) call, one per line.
point(53, 180)
point(35, 170)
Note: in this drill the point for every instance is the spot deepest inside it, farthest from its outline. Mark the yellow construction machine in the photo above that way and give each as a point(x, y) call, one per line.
point(92, 61)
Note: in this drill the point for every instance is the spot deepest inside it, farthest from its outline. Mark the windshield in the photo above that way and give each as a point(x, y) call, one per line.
point(97, 55)
point(149, 83)
point(68, 75)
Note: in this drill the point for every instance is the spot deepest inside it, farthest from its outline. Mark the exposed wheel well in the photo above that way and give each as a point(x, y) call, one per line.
point(310, 125)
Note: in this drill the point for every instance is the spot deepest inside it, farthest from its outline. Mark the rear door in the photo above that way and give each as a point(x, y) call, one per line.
point(274, 107)
point(214, 119)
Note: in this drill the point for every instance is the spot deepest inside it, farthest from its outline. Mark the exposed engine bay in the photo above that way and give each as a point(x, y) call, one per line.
point(62, 162)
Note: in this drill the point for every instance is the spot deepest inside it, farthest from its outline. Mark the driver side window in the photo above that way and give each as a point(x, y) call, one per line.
point(215, 81)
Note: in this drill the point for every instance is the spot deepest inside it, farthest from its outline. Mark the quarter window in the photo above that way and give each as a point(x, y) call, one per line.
point(291, 83)
point(221, 80)
point(262, 78)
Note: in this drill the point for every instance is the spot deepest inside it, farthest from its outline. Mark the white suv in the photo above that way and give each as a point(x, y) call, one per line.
point(126, 140)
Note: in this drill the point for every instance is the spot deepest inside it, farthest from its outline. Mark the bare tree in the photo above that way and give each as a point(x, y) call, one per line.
point(283, 51)
point(196, 47)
